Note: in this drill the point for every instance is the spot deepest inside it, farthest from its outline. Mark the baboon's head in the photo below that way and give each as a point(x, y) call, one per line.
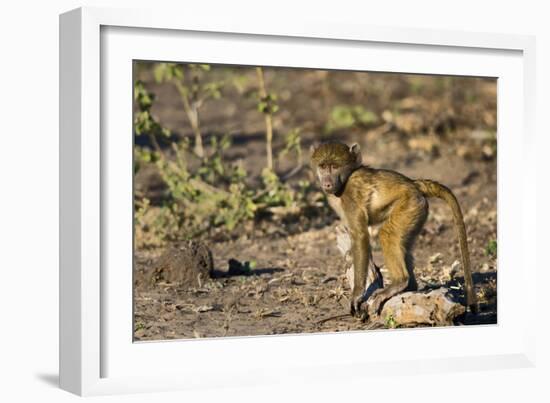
point(333, 163)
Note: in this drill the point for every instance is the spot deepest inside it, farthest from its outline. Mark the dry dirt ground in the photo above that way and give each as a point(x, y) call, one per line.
point(298, 278)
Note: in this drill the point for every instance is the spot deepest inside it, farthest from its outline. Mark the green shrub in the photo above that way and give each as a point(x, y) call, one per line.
point(345, 117)
point(204, 193)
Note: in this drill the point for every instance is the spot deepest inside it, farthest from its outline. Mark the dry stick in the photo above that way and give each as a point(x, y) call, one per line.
point(192, 113)
point(297, 168)
point(196, 104)
point(375, 324)
point(268, 119)
point(343, 315)
point(293, 172)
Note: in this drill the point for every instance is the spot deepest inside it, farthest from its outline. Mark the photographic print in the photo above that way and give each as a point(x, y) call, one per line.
point(277, 200)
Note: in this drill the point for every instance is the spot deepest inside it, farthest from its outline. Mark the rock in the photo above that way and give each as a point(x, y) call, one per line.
point(484, 268)
point(447, 273)
point(436, 258)
point(387, 116)
point(465, 152)
point(434, 308)
point(488, 152)
point(409, 123)
point(426, 145)
point(186, 264)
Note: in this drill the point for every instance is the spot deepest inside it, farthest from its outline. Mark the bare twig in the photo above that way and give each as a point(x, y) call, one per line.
point(191, 109)
point(268, 118)
point(343, 315)
point(293, 172)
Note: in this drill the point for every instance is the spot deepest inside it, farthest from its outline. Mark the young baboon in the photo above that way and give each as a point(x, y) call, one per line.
point(364, 196)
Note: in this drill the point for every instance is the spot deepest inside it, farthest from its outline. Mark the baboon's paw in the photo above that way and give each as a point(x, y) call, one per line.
point(373, 304)
point(355, 305)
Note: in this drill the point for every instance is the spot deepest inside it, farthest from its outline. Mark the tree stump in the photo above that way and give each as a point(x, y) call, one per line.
point(185, 264)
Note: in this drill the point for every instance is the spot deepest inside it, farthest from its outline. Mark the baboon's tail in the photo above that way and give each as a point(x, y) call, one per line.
point(433, 189)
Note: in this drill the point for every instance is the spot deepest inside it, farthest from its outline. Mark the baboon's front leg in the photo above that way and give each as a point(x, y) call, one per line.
point(374, 277)
point(360, 249)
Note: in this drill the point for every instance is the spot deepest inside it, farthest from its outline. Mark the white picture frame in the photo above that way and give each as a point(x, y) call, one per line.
point(97, 355)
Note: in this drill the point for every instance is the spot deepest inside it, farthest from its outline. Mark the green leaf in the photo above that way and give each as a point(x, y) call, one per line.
point(491, 249)
point(344, 117)
point(390, 322)
point(262, 107)
point(158, 72)
point(364, 116)
point(178, 71)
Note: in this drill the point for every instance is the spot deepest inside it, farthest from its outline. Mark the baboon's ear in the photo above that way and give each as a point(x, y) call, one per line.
point(313, 147)
point(356, 150)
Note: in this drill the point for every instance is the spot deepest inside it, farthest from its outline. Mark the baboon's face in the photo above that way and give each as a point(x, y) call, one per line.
point(331, 177)
point(334, 163)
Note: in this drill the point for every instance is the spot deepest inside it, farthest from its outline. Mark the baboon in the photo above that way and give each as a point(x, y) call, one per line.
point(363, 196)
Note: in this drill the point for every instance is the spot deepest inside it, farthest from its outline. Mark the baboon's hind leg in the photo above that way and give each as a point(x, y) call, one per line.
point(397, 236)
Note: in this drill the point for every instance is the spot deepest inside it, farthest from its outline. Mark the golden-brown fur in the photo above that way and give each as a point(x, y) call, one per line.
point(364, 196)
